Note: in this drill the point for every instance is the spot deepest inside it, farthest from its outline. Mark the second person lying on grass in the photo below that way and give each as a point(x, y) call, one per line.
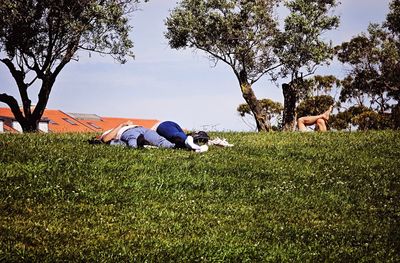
point(135, 136)
point(175, 134)
point(318, 120)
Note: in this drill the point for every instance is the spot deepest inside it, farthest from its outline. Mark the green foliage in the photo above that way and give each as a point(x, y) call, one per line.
point(374, 59)
point(239, 33)
point(314, 105)
point(244, 35)
point(393, 18)
point(46, 30)
point(371, 120)
point(324, 83)
point(317, 85)
point(373, 81)
point(302, 197)
point(363, 119)
point(300, 46)
point(38, 38)
point(343, 120)
point(272, 108)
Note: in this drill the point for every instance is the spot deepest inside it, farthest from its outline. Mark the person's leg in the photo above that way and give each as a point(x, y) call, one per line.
point(130, 136)
point(156, 140)
point(307, 121)
point(175, 134)
point(321, 125)
point(327, 114)
point(171, 130)
point(311, 120)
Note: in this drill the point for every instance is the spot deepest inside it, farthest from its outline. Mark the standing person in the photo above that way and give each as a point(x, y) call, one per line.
point(175, 134)
point(134, 136)
point(318, 120)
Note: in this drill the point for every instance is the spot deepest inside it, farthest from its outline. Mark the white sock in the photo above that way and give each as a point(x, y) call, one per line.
point(190, 144)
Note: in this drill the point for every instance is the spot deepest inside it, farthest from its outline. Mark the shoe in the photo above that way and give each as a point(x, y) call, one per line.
point(202, 149)
point(220, 142)
point(141, 141)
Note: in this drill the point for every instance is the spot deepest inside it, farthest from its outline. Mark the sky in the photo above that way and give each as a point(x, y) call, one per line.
point(179, 85)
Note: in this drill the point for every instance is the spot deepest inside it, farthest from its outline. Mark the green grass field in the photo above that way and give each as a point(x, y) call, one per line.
point(276, 197)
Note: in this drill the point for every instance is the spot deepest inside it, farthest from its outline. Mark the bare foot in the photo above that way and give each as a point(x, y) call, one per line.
point(327, 113)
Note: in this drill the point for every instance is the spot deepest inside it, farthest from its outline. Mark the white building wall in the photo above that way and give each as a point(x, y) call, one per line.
point(17, 126)
point(1, 126)
point(44, 126)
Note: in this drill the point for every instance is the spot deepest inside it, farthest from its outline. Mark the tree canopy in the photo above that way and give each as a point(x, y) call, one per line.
point(245, 35)
point(374, 61)
point(301, 48)
point(373, 80)
point(39, 37)
point(239, 33)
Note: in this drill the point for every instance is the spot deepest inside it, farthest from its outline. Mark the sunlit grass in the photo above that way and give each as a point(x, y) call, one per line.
point(272, 197)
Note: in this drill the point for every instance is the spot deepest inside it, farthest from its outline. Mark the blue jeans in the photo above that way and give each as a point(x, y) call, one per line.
point(153, 138)
point(173, 133)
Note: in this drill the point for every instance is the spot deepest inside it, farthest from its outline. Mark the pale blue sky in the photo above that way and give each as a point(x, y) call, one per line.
point(175, 85)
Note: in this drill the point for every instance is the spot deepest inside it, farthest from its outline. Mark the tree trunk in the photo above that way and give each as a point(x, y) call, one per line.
point(27, 124)
point(260, 117)
point(289, 110)
point(30, 125)
point(29, 121)
point(396, 117)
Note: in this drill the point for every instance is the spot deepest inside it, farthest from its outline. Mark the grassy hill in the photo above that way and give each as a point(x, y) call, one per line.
point(272, 197)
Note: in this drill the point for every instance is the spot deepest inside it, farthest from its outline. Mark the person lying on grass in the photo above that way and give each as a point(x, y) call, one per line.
point(175, 134)
point(318, 120)
point(135, 136)
point(198, 140)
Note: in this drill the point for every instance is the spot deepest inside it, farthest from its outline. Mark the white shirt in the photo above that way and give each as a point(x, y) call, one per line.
point(155, 126)
point(120, 131)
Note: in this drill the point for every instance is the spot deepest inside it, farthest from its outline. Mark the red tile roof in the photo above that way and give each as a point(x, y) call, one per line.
point(106, 123)
point(6, 112)
point(60, 122)
point(7, 117)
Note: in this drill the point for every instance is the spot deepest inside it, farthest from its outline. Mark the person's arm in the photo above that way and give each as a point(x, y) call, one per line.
point(110, 135)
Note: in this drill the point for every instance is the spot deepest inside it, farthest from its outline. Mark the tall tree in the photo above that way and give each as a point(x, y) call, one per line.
point(39, 37)
point(237, 32)
point(374, 62)
point(301, 48)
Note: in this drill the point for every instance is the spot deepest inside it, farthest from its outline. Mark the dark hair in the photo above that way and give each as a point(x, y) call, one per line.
point(200, 137)
point(95, 140)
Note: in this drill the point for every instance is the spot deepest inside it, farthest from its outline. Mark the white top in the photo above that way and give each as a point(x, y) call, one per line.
point(155, 126)
point(120, 131)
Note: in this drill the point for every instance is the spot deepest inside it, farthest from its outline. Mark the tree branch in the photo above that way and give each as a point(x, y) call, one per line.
point(19, 75)
point(13, 104)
